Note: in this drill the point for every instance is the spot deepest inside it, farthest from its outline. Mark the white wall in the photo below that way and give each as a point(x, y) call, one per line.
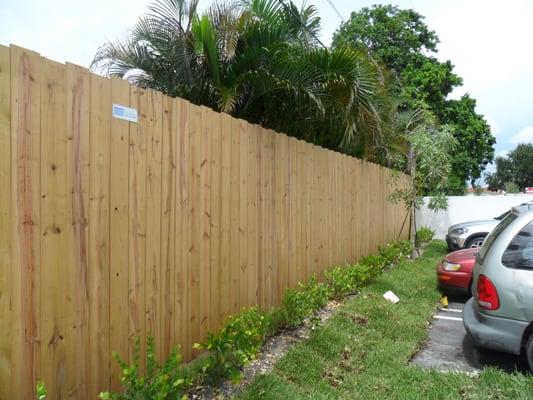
point(466, 208)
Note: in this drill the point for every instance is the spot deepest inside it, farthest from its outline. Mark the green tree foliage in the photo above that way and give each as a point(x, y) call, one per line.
point(516, 168)
point(424, 152)
point(257, 60)
point(402, 41)
point(475, 144)
point(395, 36)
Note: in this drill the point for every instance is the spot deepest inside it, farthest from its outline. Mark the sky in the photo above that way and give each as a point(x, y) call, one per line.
point(488, 41)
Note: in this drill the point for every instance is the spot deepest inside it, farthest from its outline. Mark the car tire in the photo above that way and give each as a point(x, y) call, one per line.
point(529, 351)
point(475, 241)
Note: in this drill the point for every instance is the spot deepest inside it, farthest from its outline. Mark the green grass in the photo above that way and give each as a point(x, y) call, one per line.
point(362, 351)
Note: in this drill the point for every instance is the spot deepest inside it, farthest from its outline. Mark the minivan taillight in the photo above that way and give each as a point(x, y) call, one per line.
point(487, 295)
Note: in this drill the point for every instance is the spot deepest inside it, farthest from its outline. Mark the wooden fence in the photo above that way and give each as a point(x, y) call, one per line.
point(160, 227)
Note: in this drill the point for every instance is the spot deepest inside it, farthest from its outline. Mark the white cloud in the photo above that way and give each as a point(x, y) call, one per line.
point(494, 126)
point(71, 33)
point(524, 136)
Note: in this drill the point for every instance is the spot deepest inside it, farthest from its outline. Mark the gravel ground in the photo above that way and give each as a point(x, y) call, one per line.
point(273, 349)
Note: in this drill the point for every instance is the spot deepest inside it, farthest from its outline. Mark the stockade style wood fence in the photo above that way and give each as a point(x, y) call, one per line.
point(111, 229)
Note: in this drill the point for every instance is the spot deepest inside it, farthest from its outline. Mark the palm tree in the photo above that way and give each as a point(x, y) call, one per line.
point(422, 150)
point(258, 60)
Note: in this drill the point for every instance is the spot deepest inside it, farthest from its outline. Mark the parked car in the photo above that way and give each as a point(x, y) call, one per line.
point(454, 272)
point(471, 234)
point(500, 315)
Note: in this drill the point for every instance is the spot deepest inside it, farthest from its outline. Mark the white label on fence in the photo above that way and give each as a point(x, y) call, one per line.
point(125, 113)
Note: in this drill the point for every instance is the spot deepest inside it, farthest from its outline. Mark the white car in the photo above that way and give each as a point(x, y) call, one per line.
point(471, 234)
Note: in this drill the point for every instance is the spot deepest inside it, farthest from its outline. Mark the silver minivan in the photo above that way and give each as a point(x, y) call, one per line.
point(500, 315)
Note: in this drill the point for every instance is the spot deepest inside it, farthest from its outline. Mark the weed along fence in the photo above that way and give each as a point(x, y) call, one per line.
point(124, 212)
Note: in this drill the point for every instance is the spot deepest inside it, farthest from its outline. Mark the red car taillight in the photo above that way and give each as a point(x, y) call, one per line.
point(487, 295)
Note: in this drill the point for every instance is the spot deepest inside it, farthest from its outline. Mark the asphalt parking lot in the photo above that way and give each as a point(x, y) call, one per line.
point(448, 348)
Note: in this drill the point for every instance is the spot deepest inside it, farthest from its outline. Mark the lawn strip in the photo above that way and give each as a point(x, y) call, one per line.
point(363, 350)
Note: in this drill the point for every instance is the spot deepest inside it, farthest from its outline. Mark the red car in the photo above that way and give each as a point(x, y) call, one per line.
point(454, 272)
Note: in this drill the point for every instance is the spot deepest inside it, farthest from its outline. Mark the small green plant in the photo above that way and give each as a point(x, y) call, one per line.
point(340, 281)
point(161, 382)
point(235, 345)
point(375, 263)
point(343, 281)
point(300, 303)
point(40, 390)
point(424, 235)
point(405, 247)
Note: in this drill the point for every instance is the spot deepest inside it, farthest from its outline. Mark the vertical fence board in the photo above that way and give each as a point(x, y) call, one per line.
point(298, 212)
point(57, 313)
point(352, 199)
point(321, 210)
point(137, 225)
point(78, 95)
point(244, 146)
point(293, 205)
point(169, 204)
point(215, 267)
point(235, 221)
point(305, 201)
point(225, 215)
point(194, 221)
point(260, 207)
point(314, 210)
point(205, 220)
point(184, 245)
point(274, 268)
point(5, 224)
point(26, 77)
point(265, 201)
point(119, 229)
point(153, 281)
point(251, 217)
point(100, 126)
point(281, 214)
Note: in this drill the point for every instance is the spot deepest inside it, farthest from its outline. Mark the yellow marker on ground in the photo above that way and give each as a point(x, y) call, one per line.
point(444, 301)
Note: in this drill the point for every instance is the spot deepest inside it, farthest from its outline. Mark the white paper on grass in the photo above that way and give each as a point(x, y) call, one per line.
point(390, 296)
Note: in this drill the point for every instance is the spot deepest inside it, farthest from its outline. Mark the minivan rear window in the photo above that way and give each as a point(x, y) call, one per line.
point(489, 241)
point(519, 253)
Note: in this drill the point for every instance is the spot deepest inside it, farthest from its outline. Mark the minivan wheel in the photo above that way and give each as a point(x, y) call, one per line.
point(475, 242)
point(529, 352)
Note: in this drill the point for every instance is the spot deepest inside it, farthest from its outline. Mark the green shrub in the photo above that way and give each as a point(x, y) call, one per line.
point(390, 255)
point(340, 281)
point(395, 251)
point(300, 303)
point(404, 246)
point(375, 262)
point(165, 381)
point(275, 320)
point(424, 235)
point(235, 345)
